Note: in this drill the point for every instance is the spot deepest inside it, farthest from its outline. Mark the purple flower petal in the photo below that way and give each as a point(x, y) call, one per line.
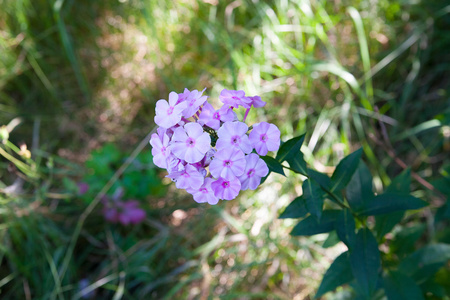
point(265, 137)
point(226, 189)
point(255, 169)
point(228, 163)
point(204, 193)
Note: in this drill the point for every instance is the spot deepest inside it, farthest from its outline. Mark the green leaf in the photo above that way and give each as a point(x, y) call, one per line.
point(298, 164)
point(399, 286)
point(310, 225)
point(296, 209)
point(273, 164)
point(443, 185)
point(405, 239)
point(401, 184)
point(290, 148)
point(388, 203)
point(344, 170)
point(359, 189)
point(431, 286)
point(322, 179)
point(314, 195)
point(385, 223)
point(365, 261)
point(425, 262)
point(331, 240)
point(338, 274)
point(345, 228)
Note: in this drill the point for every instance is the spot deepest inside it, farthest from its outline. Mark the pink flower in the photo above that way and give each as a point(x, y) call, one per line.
point(160, 148)
point(193, 100)
point(83, 188)
point(131, 213)
point(189, 177)
point(257, 102)
point(234, 98)
point(212, 118)
point(233, 134)
point(226, 189)
point(127, 212)
point(255, 169)
point(204, 193)
point(190, 143)
point(265, 137)
point(168, 114)
point(228, 163)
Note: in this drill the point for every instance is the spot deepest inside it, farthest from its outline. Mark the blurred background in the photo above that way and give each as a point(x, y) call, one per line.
point(78, 84)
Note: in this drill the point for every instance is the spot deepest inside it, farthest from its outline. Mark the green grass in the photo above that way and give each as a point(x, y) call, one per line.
point(79, 74)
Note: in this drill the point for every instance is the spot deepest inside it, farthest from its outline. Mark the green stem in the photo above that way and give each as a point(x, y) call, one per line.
point(332, 195)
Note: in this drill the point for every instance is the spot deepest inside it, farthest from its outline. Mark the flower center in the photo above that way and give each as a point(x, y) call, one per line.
point(225, 184)
point(190, 143)
point(163, 150)
point(227, 163)
point(216, 116)
point(235, 140)
point(263, 137)
point(170, 110)
point(204, 190)
point(251, 173)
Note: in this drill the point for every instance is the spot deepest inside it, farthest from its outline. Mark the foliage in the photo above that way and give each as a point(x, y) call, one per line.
point(81, 74)
point(138, 181)
point(346, 204)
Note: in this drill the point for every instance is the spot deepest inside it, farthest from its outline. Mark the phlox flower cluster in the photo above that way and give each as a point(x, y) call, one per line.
point(208, 152)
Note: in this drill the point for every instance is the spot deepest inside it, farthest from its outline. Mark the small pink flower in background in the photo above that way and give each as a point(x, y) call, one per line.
point(265, 137)
point(168, 114)
point(233, 135)
point(204, 194)
point(190, 143)
point(125, 212)
point(83, 187)
point(228, 163)
point(160, 148)
point(255, 169)
point(234, 98)
point(131, 213)
point(226, 189)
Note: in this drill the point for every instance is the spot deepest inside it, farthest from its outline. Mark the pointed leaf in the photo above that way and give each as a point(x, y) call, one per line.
point(345, 228)
point(425, 262)
point(314, 195)
point(322, 179)
point(386, 222)
point(344, 170)
point(310, 225)
point(296, 209)
point(331, 240)
point(401, 184)
point(359, 189)
point(273, 164)
point(365, 261)
point(399, 286)
point(405, 239)
point(388, 203)
point(338, 274)
point(290, 148)
point(298, 164)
